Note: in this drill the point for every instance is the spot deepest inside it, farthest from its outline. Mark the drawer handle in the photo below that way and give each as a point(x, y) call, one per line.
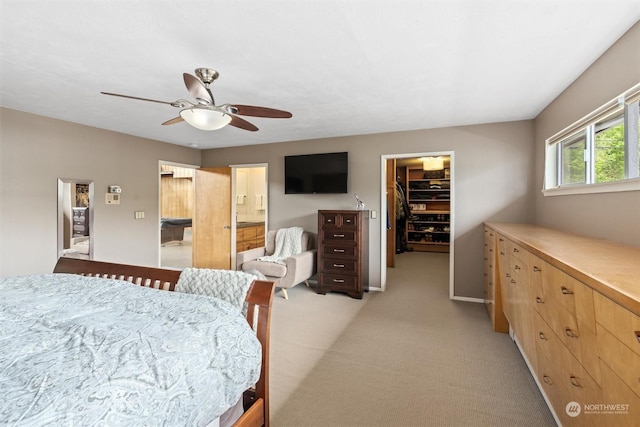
point(539, 300)
point(566, 291)
point(501, 239)
point(513, 281)
point(574, 381)
point(517, 267)
point(508, 275)
point(338, 265)
point(547, 379)
point(536, 269)
point(515, 250)
point(338, 235)
point(338, 250)
point(543, 336)
point(338, 280)
point(501, 253)
point(570, 333)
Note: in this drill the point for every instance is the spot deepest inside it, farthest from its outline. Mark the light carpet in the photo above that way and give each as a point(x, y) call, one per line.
point(405, 357)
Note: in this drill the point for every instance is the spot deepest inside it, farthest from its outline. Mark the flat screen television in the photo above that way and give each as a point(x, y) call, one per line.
point(316, 173)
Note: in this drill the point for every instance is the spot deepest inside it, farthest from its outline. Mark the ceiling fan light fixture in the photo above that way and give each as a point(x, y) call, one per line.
point(205, 118)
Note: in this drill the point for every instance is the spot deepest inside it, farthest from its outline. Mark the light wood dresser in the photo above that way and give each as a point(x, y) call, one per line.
point(572, 304)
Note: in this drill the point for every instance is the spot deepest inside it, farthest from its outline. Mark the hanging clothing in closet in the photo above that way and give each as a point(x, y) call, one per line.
point(402, 214)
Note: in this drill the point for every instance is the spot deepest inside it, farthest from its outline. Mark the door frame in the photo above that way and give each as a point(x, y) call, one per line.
point(180, 165)
point(383, 208)
point(234, 212)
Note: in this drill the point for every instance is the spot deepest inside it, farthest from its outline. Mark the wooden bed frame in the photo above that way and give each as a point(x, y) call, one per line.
point(259, 299)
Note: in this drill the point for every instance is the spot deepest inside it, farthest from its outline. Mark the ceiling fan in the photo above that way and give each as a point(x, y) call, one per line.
point(204, 113)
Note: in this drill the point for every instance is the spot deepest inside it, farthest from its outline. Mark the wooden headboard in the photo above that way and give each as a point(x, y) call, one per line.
point(259, 299)
point(158, 278)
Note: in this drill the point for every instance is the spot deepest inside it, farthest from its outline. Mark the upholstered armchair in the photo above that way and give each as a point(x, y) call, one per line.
point(291, 271)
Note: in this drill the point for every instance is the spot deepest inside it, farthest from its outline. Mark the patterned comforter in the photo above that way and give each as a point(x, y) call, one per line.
point(79, 350)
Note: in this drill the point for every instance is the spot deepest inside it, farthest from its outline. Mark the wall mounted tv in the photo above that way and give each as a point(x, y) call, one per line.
point(316, 173)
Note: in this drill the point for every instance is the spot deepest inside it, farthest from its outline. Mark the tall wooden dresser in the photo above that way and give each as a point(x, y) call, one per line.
point(343, 252)
point(80, 221)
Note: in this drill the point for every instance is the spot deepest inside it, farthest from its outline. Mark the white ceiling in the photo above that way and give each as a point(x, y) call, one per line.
point(342, 67)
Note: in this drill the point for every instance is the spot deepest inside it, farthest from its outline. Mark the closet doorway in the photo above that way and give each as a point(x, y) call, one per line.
point(418, 196)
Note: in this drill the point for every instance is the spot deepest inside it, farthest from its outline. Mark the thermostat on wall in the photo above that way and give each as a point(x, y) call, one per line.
point(115, 189)
point(112, 199)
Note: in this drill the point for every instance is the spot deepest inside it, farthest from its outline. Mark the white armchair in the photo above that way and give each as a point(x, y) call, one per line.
point(297, 268)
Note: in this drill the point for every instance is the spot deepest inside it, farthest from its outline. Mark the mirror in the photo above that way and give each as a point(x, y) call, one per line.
point(75, 218)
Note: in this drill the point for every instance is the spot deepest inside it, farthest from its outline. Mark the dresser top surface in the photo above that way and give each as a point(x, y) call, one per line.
point(613, 269)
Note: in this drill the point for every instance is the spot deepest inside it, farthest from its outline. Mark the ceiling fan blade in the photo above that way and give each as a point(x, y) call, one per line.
point(196, 88)
point(250, 110)
point(173, 121)
point(138, 98)
point(242, 123)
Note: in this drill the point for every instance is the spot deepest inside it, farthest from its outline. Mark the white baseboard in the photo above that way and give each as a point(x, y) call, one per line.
point(467, 299)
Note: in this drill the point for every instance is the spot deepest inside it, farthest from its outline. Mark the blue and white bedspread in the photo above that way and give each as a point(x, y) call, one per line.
point(79, 350)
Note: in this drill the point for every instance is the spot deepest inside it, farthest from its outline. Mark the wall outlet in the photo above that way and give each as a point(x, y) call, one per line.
point(139, 214)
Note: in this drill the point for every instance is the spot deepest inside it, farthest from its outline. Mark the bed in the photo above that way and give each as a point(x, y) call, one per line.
point(190, 357)
point(172, 229)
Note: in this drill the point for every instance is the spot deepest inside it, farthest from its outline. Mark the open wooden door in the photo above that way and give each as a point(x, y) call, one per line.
point(212, 218)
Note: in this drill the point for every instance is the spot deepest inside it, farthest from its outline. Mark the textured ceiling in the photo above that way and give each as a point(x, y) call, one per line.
point(342, 67)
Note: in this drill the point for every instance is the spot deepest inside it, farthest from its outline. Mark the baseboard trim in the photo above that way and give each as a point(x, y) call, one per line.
point(467, 299)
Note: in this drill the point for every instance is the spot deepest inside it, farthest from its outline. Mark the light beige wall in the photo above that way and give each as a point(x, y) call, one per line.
point(612, 216)
point(35, 151)
point(493, 181)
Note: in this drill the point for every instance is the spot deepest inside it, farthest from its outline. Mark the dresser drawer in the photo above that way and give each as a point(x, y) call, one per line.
point(616, 392)
point(349, 220)
point(332, 236)
point(536, 269)
point(338, 282)
point(570, 293)
point(622, 323)
point(340, 251)
point(515, 251)
point(574, 334)
point(622, 360)
point(553, 388)
point(562, 373)
point(338, 266)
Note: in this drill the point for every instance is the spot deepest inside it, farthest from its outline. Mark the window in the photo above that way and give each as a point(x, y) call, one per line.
point(599, 152)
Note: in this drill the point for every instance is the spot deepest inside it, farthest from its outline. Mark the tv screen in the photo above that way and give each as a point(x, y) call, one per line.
point(316, 173)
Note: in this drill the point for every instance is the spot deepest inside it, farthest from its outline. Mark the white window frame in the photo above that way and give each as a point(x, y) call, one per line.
point(553, 165)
